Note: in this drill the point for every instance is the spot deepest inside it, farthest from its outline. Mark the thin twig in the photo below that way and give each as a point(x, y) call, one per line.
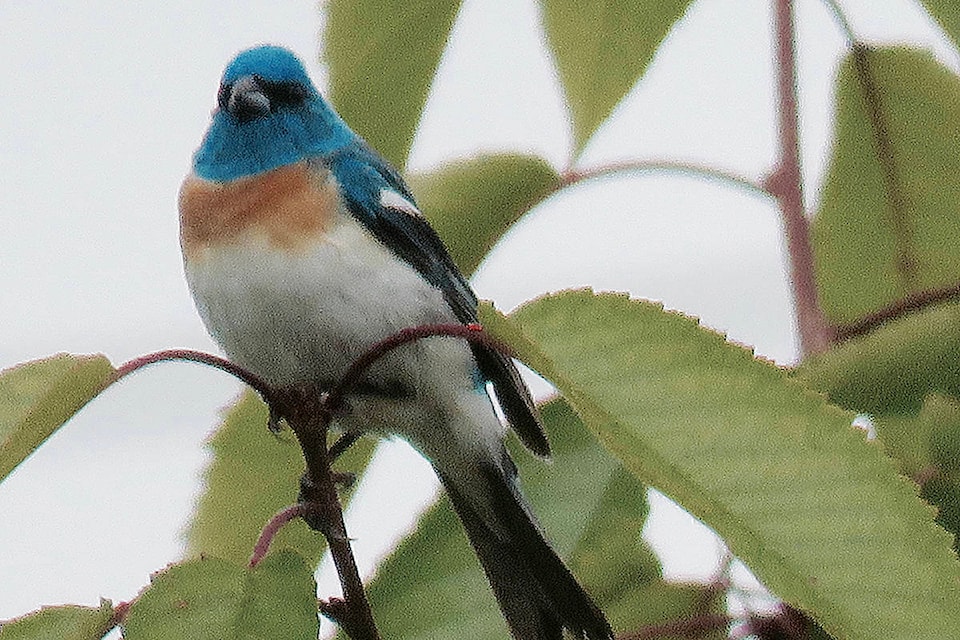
point(308, 410)
point(667, 166)
point(190, 355)
point(343, 443)
point(837, 12)
point(318, 489)
point(305, 410)
point(906, 305)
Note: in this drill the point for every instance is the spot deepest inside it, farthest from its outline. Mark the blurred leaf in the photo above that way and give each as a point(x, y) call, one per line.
point(474, 202)
point(906, 438)
point(927, 446)
point(212, 599)
point(572, 496)
point(68, 622)
point(659, 603)
point(37, 397)
point(253, 475)
point(892, 369)
point(610, 556)
point(943, 492)
point(947, 13)
point(887, 225)
point(198, 599)
point(818, 514)
point(944, 445)
point(922, 440)
point(601, 49)
point(382, 56)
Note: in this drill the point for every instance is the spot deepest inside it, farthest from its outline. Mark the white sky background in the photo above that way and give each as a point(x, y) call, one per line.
point(103, 104)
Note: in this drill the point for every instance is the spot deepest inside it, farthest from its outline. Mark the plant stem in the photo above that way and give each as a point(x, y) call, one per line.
point(842, 21)
point(319, 488)
point(668, 166)
point(897, 309)
point(786, 184)
point(305, 409)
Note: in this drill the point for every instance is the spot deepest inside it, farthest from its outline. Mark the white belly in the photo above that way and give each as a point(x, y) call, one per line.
point(294, 317)
point(303, 317)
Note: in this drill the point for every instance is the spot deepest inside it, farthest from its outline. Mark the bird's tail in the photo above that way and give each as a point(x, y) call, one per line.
point(537, 594)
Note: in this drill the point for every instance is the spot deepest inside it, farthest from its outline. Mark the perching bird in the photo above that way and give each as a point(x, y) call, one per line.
point(302, 247)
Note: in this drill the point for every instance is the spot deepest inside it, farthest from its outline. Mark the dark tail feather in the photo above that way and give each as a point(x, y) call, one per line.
point(514, 398)
point(537, 594)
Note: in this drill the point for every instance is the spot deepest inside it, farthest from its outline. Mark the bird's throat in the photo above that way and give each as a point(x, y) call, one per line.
point(292, 206)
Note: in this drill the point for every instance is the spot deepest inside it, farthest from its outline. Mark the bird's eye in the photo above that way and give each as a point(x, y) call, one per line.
point(223, 96)
point(286, 94)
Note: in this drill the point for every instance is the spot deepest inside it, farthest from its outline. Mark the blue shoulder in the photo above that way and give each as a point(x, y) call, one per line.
point(379, 198)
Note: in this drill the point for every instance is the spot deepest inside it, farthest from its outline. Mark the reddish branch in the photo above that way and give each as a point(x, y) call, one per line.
point(190, 355)
point(785, 183)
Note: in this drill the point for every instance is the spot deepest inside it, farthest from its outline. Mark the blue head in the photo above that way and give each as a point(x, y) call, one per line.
point(269, 114)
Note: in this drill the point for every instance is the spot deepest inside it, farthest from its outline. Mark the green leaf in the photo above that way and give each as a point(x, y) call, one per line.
point(37, 397)
point(906, 438)
point(887, 226)
point(892, 369)
point(382, 56)
point(253, 475)
point(280, 599)
point(601, 49)
point(198, 599)
point(927, 446)
point(579, 497)
point(68, 622)
point(818, 514)
point(947, 13)
point(212, 599)
point(472, 203)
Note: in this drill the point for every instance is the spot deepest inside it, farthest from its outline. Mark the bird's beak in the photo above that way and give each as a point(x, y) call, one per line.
point(247, 99)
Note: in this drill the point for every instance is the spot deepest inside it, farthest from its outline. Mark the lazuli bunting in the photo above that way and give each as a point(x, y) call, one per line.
point(303, 247)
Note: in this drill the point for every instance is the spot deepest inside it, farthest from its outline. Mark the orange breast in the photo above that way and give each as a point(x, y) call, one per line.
point(291, 206)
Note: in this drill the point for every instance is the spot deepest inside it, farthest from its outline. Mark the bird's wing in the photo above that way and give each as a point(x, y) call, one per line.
point(377, 196)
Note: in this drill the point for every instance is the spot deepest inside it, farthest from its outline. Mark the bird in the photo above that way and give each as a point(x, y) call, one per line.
point(302, 247)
